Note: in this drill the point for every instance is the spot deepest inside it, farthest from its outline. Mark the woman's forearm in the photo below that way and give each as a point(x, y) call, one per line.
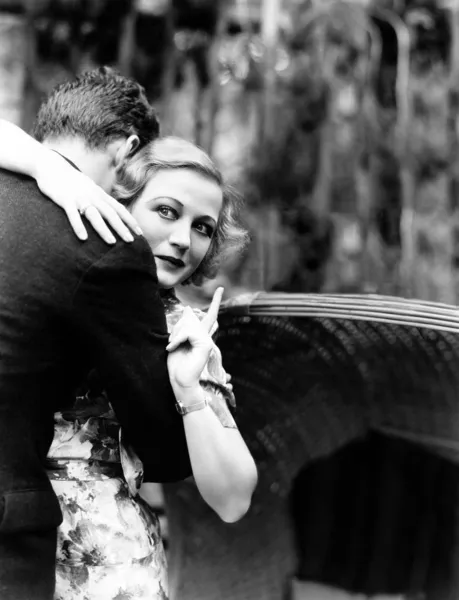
point(19, 152)
point(223, 468)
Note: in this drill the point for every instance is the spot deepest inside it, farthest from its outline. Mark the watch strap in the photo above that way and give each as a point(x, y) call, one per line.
point(184, 409)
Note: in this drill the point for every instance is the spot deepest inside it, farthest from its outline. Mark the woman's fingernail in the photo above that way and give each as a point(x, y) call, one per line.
point(138, 231)
point(128, 237)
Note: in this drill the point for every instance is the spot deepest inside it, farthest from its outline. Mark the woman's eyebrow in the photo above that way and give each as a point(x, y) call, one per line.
point(164, 197)
point(209, 218)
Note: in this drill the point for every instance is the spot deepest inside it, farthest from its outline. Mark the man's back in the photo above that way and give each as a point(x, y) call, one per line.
point(67, 306)
point(40, 361)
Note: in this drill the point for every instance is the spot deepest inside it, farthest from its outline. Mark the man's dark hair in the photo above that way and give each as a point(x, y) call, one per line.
point(99, 106)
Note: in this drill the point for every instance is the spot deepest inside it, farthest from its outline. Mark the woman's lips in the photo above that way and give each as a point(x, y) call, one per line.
point(175, 262)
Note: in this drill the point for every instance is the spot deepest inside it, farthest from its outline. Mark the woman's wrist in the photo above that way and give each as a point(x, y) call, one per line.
point(187, 396)
point(22, 153)
point(47, 161)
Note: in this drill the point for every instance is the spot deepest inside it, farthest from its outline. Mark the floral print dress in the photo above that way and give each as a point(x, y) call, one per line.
point(109, 543)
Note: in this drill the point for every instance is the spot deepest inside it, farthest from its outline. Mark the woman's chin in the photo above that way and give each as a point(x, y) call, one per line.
point(166, 282)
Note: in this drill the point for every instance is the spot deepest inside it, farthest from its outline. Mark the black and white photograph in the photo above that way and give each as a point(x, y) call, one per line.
point(229, 299)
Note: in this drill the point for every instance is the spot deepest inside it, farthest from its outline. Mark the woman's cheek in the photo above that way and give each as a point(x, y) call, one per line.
point(203, 249)
point(152, 229)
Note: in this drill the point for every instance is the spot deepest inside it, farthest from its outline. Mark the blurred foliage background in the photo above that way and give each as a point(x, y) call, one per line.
point(337, 120)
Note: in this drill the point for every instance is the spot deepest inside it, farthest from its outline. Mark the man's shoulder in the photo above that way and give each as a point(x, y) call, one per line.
point(6, 174)
point(45, 229)
point(124, 274)
point(23, 209)
point(121, 266)
point(136, 254)
point(17, 183)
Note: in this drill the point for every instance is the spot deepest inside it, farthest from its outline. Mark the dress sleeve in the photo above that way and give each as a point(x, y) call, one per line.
point(120, 312)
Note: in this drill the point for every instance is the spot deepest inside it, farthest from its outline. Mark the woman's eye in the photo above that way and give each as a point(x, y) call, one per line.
point(204, 229)
point(167, 212)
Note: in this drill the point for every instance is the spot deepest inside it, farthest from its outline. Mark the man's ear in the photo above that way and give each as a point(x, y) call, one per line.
point(125, 150)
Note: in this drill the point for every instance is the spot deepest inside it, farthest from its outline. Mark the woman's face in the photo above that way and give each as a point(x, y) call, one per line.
point(178, 212)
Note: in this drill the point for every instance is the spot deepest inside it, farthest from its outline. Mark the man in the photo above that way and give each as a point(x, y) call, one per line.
point(66, 307)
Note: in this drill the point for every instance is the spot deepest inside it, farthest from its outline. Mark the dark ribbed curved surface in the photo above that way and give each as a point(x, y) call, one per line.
point(311, 374)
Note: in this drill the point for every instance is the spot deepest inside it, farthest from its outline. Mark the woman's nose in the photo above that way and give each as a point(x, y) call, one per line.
point(180, 236)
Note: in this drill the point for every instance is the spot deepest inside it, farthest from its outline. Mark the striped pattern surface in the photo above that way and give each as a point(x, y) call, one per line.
point(312, 374)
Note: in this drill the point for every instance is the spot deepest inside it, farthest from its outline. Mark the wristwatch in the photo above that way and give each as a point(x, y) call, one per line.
point(184, 409)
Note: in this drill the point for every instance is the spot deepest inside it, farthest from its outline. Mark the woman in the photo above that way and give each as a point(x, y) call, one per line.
point(109, 543)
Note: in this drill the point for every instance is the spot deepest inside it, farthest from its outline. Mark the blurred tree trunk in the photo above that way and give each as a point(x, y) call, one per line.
point(270, 16)
point(170, 70)
point(403, 93)
point(127, 42)
point(32, 95)
point(215, 87)
point(270, 33)
point(453, 120)
point(13, 58)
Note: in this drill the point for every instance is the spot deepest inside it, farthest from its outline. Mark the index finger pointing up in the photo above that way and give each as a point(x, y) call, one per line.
point(212, 313)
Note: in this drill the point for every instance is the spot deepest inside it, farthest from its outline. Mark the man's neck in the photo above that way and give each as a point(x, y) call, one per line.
point(93, 163)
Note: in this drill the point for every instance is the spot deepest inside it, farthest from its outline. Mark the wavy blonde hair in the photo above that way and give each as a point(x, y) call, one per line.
point(171, 153)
